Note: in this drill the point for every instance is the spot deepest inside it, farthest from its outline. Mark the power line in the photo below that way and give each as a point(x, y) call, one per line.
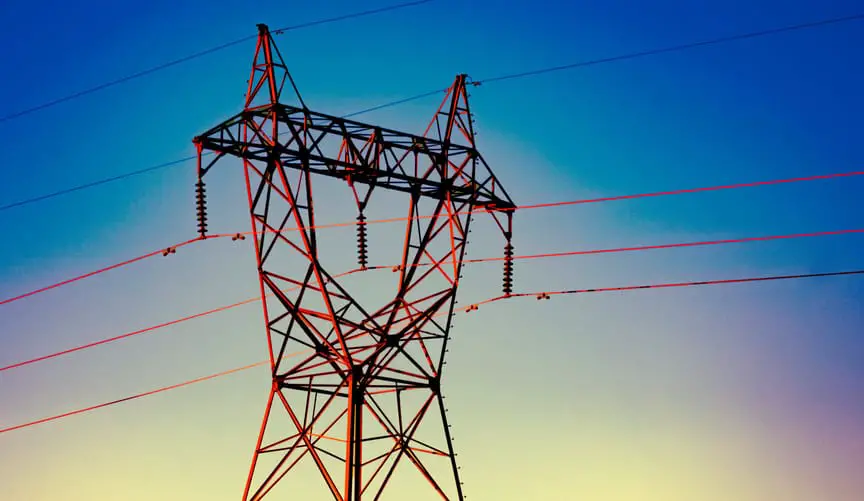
point(467, 309)
point(163, 251)
point(676, 48)
point(593, 62)
point(202, 53)
point(522, 207)
point(480, 260)
point(632, 55)
point(675, 246)
point(94, 273)
point(394, 103)
point(354, 15)
point(128, 334)
point(617, 198)
point(152, 328)
point(627, 56)
point(132, 397)
point(700, 190)
point(94, 183)
point(545, 295)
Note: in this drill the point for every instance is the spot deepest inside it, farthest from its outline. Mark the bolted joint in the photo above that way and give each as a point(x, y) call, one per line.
point(392, 340)
point(321, 350)
point(418, 144)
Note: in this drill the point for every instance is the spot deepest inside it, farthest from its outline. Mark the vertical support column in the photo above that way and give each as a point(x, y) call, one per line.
point(354, 447)
point(253, 87)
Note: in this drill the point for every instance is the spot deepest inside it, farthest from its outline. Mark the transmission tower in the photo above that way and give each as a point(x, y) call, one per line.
point(365, 395)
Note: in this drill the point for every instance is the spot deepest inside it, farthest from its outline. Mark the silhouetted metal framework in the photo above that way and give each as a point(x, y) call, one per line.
point(359, 402)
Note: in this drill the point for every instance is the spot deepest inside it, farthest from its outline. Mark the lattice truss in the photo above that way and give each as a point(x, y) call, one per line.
point(362, 401)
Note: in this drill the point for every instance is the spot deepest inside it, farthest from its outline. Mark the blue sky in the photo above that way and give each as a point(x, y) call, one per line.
point(765, 368)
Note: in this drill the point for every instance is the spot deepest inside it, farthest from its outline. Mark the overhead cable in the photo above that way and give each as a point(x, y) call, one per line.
point(470, 308)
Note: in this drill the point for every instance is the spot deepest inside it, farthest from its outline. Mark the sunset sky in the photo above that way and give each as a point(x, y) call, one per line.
point(751, 392)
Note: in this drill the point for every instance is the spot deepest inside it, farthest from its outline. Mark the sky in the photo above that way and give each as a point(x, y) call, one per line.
point(751, 392)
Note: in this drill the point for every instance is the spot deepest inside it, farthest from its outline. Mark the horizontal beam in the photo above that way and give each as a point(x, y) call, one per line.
point(379, 157)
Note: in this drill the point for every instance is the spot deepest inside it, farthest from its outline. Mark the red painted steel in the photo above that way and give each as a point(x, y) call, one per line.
point(366, 398)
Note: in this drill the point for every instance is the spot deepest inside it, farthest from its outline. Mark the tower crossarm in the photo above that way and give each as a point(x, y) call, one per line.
point(359, 153)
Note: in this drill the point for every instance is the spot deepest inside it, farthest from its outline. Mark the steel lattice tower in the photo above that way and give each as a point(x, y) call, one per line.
point(362, 393)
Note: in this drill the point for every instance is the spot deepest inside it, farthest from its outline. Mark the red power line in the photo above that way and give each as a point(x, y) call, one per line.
point(131, 397)
point(467, 309)
point(397, 219)
point(128, 334)
point(608, 199)
point(164, 252)
point(673, 246)
point(480, 260)
point(145, 330)
point(380, 267)
point(101, 270)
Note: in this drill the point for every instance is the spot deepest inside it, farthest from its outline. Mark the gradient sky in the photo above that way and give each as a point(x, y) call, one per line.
point(745, 392)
